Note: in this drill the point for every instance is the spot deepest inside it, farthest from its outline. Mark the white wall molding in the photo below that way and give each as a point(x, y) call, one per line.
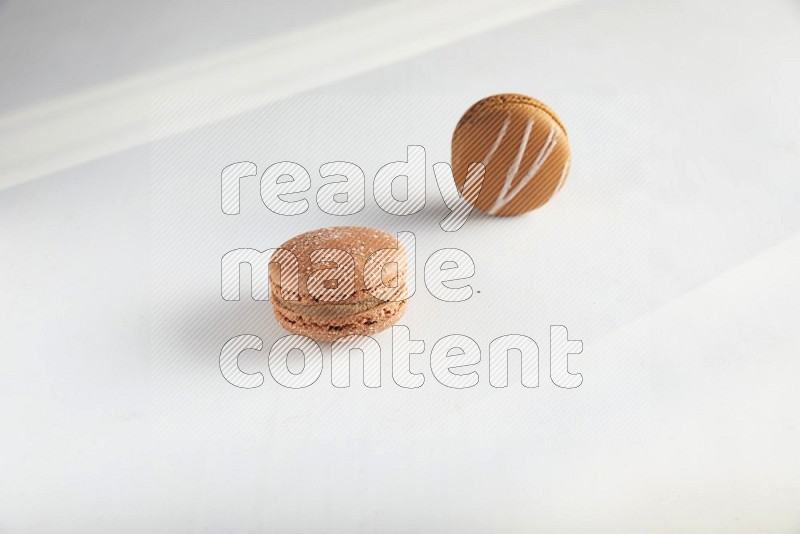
point(75, 129)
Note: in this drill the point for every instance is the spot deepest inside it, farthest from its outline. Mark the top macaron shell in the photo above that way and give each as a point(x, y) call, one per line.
point(357, 241)
point(523, 146)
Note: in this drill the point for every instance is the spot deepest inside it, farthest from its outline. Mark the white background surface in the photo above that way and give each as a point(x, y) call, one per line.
point(684, 123)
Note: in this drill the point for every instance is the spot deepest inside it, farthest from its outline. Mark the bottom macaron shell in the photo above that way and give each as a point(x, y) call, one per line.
point(369, 322)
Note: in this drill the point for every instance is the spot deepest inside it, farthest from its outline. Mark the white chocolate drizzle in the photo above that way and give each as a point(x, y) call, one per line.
point(507, 193)
point(563, 178)
point(497, 141)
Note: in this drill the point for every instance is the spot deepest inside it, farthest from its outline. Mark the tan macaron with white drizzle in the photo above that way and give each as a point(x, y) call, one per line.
point(523, 146)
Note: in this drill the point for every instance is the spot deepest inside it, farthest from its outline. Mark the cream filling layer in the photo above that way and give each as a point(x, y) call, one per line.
point(331, 310)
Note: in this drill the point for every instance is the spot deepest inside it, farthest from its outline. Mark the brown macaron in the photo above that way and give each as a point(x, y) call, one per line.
point(346, 280)
point(523, 146)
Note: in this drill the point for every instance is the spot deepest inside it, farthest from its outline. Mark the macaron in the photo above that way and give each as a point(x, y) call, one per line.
point(348, 280)
point(524, 149)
